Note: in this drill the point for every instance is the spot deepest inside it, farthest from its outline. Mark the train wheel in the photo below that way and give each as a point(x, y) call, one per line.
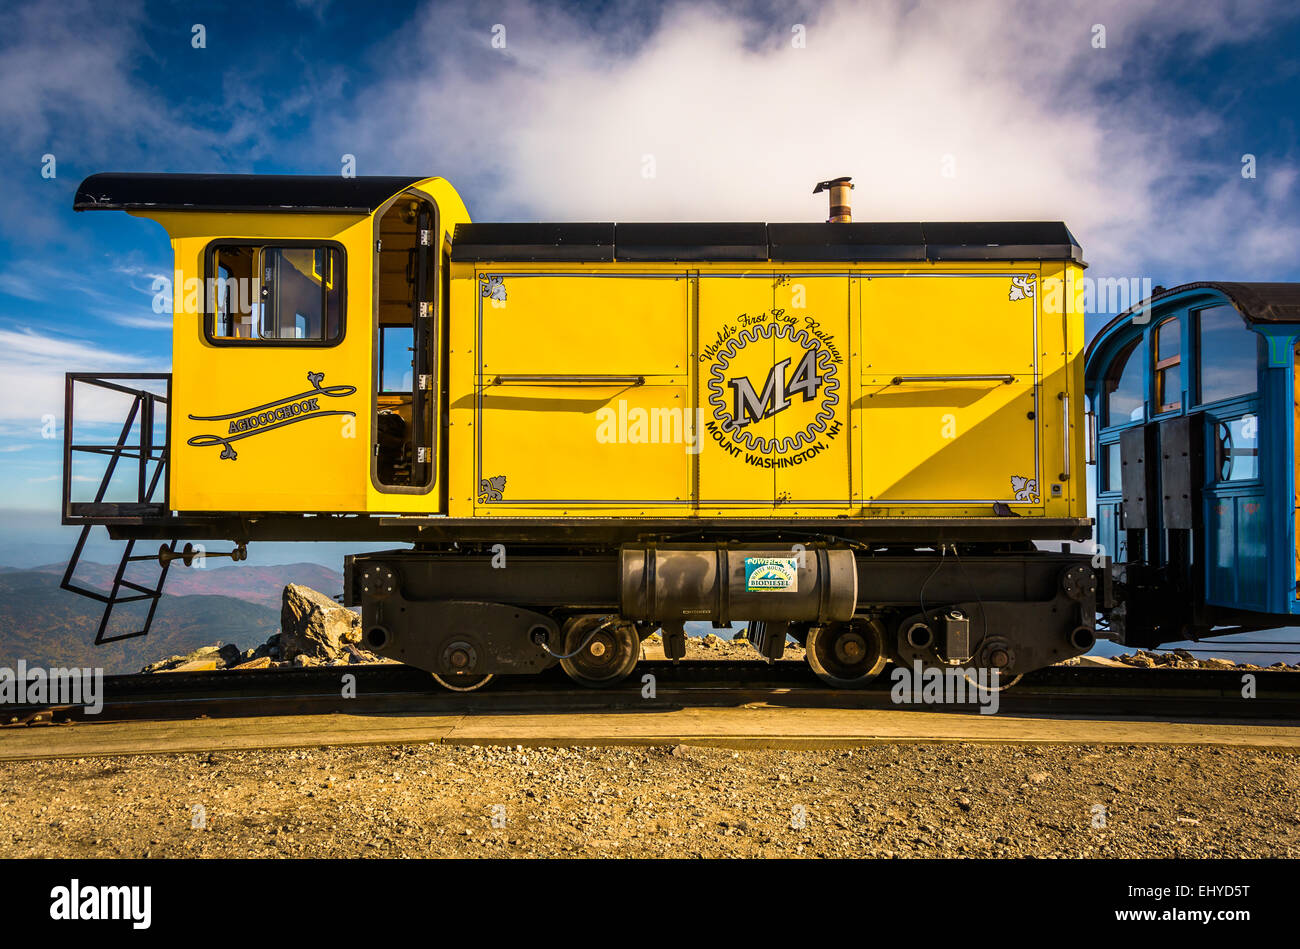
point(1004, 683)
point(462, 682)
point(995, 654)
point(847, 655)
point(599, 651)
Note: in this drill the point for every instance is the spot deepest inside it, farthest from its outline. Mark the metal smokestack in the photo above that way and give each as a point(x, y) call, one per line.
point(839, 189)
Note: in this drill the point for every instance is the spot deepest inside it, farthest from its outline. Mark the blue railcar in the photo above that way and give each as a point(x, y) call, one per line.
point(1193, 401)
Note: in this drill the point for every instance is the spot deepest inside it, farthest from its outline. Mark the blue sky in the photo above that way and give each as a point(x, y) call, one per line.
point(1138, 144)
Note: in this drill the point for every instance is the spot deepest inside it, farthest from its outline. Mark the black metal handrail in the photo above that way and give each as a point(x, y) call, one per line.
point(143, 407)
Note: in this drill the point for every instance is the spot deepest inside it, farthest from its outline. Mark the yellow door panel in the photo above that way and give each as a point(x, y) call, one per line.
point(957, 324)
point(268, 437)
point(811, 457)
point(540, 324)
point(583, 444)
point(947, 442)
point(737, 330)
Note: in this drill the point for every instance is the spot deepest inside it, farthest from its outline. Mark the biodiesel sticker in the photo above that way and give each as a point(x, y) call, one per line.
point(766, 574)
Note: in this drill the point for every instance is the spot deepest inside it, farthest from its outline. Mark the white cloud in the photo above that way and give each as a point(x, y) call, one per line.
point(1039, 124)
point(32, 367)
point(139, 318)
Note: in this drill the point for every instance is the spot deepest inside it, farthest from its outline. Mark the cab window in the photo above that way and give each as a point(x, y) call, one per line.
point(284, 293)
point(1168, 358)
point(396, 354)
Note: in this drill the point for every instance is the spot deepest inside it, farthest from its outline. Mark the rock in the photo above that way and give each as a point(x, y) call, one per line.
point(262, 662)
point(193, 665)
point(313, 625)
point(740, 636)
point(355, 656)
point(203, 659)
point(163, 664)
point(1095, 662)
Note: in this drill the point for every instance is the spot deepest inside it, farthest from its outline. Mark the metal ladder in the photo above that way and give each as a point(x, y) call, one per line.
point(123, 590)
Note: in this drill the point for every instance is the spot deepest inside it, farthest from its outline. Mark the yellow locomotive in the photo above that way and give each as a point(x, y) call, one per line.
point(846, 432)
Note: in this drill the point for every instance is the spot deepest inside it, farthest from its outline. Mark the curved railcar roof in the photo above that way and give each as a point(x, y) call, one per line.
point(286, 193)
point(895, 241)
point(1256, 302)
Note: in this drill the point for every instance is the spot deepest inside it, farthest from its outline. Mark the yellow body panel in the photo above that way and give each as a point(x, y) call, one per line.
point(820, 453)
point(933, 440)
point(863, 442)
point(734, 310)
point(609, 430)
point(311, 465)
point(647, 390)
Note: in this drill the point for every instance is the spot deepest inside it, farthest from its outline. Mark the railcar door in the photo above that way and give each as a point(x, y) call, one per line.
point(813, 433)
point(742, 387)
point(583, 391)
point(410, 341)
point(949, 406)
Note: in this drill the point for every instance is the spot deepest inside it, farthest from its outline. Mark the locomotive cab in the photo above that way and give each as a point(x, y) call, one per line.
point(309, 318)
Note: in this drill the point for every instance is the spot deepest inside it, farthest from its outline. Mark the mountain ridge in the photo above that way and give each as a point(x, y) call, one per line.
point(239, 604)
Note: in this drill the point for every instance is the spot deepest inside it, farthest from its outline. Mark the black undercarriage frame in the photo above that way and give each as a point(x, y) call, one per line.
point(1037, 606)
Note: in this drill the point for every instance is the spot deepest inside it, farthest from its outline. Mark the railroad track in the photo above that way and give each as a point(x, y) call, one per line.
point(1157, 694)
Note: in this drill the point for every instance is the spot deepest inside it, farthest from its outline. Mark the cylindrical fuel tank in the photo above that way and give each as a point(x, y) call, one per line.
point(722, 583)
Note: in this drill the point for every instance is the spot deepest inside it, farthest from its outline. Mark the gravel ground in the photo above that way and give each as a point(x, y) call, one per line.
point(684, 801)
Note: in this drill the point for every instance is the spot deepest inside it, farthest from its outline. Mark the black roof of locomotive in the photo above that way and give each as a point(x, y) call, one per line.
point(298, 193)
point(594, 242)
point(741, 241)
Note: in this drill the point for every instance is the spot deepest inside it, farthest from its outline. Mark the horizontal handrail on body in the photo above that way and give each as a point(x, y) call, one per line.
point(1000, 377)
point(569, 379)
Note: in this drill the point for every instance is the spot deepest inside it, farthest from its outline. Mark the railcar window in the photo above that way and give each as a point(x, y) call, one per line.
point(1229, 354)
point(280, 293)
point(1125, 401)
point(1236, 449)
point(1168, 356)
point(1112, 478)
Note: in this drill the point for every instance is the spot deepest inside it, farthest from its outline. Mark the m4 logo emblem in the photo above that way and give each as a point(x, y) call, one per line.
point(749, 406)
